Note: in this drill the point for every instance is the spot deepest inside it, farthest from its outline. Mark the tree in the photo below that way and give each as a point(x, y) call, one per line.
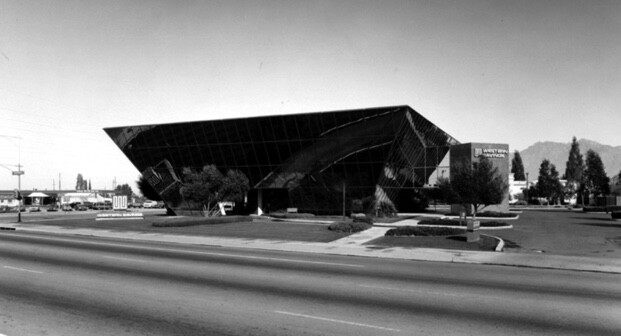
point(80, 183)
point(124, 189)
point(517, 167)
point(235, 186)
point(203, 186)
point(574, 169)
point(147, 190)
point(595, 178)
point(209, 186)
point(477, 185)
point(615, 185)
point(548, 184)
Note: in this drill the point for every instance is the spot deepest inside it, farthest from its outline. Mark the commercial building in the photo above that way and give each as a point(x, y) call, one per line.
point(322, 163)
point(497, 154)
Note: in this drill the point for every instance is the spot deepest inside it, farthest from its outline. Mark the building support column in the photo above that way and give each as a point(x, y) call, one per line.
point(259, 202)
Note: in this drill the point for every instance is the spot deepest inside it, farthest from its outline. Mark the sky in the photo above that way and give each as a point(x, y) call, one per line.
point(513, 72)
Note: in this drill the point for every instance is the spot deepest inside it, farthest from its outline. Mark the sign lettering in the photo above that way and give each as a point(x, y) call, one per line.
point(491, 152)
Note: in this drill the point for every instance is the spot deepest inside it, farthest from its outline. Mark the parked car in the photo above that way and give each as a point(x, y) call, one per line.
point(135, 205)
point(150, 204)
point(66, 207)
point(102, 206)
point(6, 208)
point(81, 207)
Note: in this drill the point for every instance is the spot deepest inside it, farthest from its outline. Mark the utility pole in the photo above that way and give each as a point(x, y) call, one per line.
point(19, 174)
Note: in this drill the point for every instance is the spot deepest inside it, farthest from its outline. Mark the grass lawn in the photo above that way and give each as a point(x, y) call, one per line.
point(294, 231)
point(443, 242)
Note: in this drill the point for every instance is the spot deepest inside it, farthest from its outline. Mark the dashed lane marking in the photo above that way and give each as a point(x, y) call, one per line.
point(123, 259)
point(22, 270)
point(336, 321)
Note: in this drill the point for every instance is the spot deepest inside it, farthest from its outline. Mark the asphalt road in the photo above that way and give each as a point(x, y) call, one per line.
point(59, 285)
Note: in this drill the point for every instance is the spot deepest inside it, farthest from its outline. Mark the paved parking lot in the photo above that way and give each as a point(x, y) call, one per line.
point(564, 232)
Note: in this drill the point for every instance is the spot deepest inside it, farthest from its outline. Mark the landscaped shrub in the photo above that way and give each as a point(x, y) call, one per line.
point(290, 215)
point(362, 218)
point(455, 222)
point(386, 209)
point(492, 214)
point(496, 214)
point(191, 221)
point(412, 200)
point(423, 231)
point(356, 206)
point(349, 227)
point(594, 209)
point(613, 208)
point(368, 204)
point(616, 214)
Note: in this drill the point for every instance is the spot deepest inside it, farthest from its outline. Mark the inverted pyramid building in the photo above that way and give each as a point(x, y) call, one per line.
point(321, 163)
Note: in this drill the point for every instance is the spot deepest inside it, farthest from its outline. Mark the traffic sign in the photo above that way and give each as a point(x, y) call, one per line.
point(18, 172)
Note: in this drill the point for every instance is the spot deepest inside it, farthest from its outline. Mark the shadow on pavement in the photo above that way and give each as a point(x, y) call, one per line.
point(611, 225)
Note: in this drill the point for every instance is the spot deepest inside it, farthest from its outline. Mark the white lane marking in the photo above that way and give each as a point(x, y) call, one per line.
point(336, 321)
point(123, 259)
point(419, 291)
point(199, 252)
point(22, 269)
point(271, 259)
point(427, 292)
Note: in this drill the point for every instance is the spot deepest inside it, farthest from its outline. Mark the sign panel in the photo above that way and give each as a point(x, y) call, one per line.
point(493, 153)
point(119, 202)
point(7, 196)
point(162, 178)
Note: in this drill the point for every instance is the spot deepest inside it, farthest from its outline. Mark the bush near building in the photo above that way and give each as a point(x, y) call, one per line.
point(423, 231)
point(594, 209)
point(349, 227)
point(456, 222)
point(492, 214)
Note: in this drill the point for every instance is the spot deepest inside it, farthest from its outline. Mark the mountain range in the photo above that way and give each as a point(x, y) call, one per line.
point(557, 153)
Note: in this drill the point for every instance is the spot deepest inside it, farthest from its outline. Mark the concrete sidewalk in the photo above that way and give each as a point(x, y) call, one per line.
point(353, 245)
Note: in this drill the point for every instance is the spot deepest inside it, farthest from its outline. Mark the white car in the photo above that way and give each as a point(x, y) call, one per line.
point(149, 204)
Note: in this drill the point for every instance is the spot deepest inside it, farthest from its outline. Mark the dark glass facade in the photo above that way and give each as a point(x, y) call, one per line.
point(306, 161)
